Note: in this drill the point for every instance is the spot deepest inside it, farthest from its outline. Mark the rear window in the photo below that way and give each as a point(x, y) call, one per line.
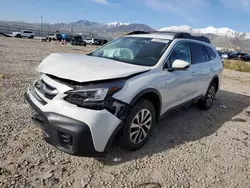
point(27, 32)
point(211, 53)
point(199, 54)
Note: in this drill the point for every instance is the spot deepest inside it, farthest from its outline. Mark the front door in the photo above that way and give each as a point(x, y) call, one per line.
point(180, 85)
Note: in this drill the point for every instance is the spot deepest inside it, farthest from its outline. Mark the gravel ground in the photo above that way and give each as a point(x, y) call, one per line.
point(191, 148)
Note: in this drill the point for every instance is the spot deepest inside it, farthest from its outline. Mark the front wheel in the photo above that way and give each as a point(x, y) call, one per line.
point(207, 102)
point(138, 125)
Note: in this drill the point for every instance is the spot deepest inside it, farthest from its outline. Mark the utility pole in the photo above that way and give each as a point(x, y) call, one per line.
point(72, 28)
point(41, 23)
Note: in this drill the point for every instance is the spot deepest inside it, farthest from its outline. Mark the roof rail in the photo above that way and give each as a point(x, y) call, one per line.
point(189, 36)
point(177, 35)
point(138, 32)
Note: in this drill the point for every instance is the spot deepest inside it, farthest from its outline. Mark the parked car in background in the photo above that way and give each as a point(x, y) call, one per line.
point(240, 56)
point(63, 36)
point(224, 56)
point(66, 37)
point(77, 41)
point(92, 41)
point(233, 55)
point(58, 37)
point(121, 89)
point(102, 41)
point(51, 36)
point(24, 33)
point(246, 57)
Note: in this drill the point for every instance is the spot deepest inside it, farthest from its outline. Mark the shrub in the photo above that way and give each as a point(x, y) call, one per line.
point(237, 65)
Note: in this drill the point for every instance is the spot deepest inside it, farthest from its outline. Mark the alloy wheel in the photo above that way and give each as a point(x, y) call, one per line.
point(210, 95)
point(140, 126)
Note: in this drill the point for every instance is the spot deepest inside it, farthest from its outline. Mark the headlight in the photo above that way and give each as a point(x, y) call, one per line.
point(95, 97)
point(88, 95)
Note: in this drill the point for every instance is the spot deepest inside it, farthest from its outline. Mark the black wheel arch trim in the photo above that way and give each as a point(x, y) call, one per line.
point(137, 97)
point(146, 91)
point(214, 77)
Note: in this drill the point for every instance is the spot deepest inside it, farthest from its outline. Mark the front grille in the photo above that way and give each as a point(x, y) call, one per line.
point(48, 91)
point(38, 98)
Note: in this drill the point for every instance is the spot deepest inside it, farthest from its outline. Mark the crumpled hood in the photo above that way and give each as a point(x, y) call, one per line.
point(84, 68)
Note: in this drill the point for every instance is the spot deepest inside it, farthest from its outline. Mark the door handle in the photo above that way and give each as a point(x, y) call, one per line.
point(193, 74)
point(212, 69)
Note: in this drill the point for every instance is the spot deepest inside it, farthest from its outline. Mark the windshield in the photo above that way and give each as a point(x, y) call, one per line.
point(134, 50)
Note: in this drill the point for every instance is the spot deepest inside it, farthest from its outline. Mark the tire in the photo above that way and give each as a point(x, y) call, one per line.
point(207, 102)
point(31, 37)
point(18, 36)
point(130, 136)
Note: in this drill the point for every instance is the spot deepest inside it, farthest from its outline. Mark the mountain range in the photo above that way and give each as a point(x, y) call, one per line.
point(220, 37)
point(112, 27)
point(224, 32)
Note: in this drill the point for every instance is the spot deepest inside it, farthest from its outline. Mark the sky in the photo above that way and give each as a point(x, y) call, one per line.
point(234, 14)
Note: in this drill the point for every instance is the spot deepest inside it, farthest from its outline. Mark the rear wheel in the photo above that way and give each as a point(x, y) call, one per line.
point(31, 37)
point(18, 36)
point(138, 125)
point(207, 102)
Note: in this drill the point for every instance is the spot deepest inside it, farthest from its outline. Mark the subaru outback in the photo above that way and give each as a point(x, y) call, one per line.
point(121, 89)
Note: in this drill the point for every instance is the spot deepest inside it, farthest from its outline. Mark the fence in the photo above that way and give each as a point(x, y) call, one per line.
point(43, 30)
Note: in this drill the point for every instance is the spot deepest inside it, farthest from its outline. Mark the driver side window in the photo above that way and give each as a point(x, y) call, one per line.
point(181, 51)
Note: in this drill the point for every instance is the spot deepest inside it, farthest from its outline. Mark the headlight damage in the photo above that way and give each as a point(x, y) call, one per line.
point(97, 96)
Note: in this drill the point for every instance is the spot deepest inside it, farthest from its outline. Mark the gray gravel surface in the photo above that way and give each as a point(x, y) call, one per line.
point(190, 148)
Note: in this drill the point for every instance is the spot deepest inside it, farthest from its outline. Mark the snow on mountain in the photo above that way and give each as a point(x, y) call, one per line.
point(183, 28)
point(225, 32)
point(114, 24)
point(247, 36)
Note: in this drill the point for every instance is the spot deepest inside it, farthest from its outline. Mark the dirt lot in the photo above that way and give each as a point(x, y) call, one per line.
point(191, 148)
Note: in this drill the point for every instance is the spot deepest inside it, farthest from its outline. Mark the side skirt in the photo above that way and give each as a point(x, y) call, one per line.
point(181, 106)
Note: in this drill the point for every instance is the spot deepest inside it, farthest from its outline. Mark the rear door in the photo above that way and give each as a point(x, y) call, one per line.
point(201, 64)
point(25, 34)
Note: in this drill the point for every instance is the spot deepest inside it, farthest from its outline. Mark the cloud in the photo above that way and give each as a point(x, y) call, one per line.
point(105, 2)
point(190, 10)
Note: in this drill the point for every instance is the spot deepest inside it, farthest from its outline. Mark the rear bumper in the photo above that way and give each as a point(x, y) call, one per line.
point(66, 134)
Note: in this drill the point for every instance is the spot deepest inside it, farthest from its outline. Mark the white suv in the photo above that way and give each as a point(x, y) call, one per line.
point(121, 89)
point(91, 41)
point(24, 33)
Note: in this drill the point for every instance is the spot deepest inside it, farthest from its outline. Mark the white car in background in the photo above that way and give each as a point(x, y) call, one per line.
point(51, 36)
point(122, 89)
point(224, 56)
point(91, 41)
point(24, 33)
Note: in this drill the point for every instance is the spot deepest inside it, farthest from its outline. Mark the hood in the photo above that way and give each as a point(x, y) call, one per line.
point(84, 68)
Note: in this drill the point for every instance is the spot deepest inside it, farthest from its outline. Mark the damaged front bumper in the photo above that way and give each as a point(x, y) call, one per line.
point(74, 130)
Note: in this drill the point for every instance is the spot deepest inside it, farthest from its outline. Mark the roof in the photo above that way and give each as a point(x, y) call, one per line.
point(169, 35)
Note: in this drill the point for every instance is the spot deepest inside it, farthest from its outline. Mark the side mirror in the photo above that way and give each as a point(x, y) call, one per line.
point(180, 65)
